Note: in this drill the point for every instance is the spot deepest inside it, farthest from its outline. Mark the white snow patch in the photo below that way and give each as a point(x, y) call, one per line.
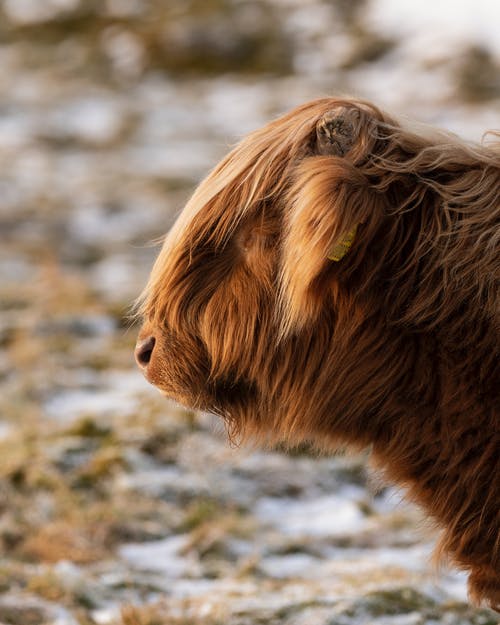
point(6, 429)
point(331, 515)
point(170, 556)
point(156, 481)
point(120, 395)
point(439, 22)
point(96, 120)
point(32, 11)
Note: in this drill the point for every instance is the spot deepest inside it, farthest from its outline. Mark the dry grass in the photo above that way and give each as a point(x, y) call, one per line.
point(61, 540)
point(161, 615)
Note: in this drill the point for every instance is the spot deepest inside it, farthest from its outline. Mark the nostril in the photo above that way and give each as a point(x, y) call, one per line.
point(144, 351)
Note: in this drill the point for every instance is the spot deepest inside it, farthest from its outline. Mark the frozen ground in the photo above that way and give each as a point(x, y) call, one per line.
point(116, 506)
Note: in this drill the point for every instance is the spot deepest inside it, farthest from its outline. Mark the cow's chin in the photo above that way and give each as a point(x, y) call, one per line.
point(184, 399)
point(179, 388)
point(179, 392)
point(236, 403)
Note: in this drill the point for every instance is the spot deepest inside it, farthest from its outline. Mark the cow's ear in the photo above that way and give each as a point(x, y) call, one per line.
point(330, 211)
point(337, 131)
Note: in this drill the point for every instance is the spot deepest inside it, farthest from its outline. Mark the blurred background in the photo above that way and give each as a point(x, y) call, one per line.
point(117, 507)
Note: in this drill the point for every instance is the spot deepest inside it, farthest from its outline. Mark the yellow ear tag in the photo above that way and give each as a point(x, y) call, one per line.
point(341, 248)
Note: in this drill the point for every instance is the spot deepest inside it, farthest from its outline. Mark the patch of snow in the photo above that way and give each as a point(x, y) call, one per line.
point(15, 132)
point(330, 515)
point(125, 51)
point(124, 8)
point(6, 429)
point(118, 394)
point(118, 278)
point(159, 482)
point(455, 584)
point(412, 618)
point(70, 405)
point(236, 107)
point(185, 159)
point(15, 269)
point(95, 224)
point(339, 562)
point(106, 616)
point(441, 23)
point(290, 565)
point(170, 556)
point(32, 11)
point(95, 120)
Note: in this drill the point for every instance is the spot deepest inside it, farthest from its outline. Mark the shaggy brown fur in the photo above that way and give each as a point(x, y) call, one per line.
point(396, 346)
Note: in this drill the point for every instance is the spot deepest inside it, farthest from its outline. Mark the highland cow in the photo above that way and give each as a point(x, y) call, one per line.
point(335, 280)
